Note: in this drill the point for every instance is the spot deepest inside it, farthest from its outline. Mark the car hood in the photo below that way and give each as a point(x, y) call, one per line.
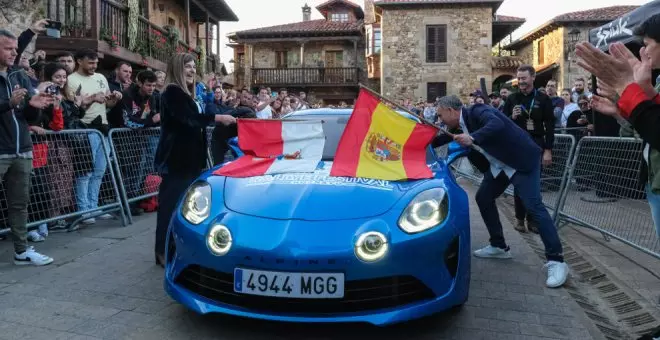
point(313, 196)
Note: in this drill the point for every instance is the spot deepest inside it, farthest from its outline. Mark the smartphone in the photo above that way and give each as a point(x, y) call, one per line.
point(53, 29)
point(53, 89)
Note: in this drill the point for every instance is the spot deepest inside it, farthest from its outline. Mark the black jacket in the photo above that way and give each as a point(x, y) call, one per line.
point(182, 149)
point(542, 115)
point(14, 133)
point(133, 107)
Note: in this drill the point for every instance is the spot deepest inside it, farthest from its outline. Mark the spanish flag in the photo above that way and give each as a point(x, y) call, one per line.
point(379, 143)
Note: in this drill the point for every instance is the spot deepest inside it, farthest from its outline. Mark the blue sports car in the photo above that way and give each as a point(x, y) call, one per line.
point(307, 247)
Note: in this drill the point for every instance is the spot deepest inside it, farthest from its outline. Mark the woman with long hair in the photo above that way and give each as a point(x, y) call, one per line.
point(182, 149)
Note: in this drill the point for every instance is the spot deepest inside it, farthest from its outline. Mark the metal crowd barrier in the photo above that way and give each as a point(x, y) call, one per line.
point(604, 192)
point(62, 162)
point(552, 177)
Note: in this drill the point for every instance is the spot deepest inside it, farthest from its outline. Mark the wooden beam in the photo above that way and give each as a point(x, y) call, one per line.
point(297, 40)
point(207, 33)
point(187, 22)
point(95, 18)
point(217, 28)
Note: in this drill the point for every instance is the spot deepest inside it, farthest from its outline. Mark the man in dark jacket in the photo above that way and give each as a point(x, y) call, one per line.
point(496, 136)
point(19, 103)
point(532, 111)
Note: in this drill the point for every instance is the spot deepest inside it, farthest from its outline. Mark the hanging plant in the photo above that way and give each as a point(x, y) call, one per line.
point(110, 38)
point(201, 65)
point(133, 18)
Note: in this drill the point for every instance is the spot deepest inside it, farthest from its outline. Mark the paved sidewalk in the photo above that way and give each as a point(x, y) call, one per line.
point(104, 285)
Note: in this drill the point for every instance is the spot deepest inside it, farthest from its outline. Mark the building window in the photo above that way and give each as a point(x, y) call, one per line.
point(377, 40)
point(436, 43)
point(370, 49)
point(340, 17)
point(241, 60)
point(435, 90)
point(171, 22)
point(541, 52)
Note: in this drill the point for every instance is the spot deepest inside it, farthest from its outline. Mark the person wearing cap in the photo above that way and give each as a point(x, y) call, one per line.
point(479, 97)
point(532, 111)
point(496, 101)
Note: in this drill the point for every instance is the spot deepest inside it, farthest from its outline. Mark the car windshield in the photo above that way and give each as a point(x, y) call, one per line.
point(333, 127)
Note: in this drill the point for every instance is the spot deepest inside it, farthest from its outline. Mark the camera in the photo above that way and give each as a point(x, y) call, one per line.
point(53, 89)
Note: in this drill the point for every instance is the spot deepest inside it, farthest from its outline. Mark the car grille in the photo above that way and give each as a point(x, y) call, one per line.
point(360, 295)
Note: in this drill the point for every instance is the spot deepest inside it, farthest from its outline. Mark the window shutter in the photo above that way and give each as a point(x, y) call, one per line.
point(435, 90)
point(436, 44)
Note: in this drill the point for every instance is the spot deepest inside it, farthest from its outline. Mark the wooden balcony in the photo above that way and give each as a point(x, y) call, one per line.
point(308, 76)
point(103, 25)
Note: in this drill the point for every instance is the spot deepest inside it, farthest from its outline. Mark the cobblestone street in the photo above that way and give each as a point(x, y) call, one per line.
point(105, 285)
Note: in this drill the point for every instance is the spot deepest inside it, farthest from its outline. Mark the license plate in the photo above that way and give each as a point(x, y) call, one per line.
point(289, 285)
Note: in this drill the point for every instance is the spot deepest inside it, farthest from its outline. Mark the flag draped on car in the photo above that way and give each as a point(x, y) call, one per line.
point(276, 147)
point(379, 143)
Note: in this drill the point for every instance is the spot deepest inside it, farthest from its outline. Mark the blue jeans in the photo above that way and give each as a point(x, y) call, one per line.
point(654, 202)
point(89, 185)
point(528, 187)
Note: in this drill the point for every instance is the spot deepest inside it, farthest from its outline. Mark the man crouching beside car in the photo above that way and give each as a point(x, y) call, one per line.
point(496, 136)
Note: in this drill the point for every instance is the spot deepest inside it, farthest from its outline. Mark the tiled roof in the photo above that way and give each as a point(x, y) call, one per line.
point(603, 14)
point(507, 18)
point(423, 2)
point(596, 14)
point(311, 26)
point(346, 2)
point(507, 62)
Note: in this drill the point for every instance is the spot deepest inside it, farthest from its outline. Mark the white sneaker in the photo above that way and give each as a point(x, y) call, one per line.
point(491, 252)
point(89, 221)
point(30, 256)
point(105, 217)
point(557, 274)
point(34, 236)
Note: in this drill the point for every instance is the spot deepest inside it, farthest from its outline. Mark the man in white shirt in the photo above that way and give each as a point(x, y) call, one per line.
point(94, 86)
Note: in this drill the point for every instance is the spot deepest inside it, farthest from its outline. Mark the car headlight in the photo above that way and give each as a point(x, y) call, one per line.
point(196, 205)
point(219, 240)
point(428, 209)
point(371, 246)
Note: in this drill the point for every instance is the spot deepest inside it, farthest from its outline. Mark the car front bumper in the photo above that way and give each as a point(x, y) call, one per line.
point(421, 274)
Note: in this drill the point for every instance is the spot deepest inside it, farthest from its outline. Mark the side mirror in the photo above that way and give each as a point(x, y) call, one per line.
point(233, 144)
point(455, 151)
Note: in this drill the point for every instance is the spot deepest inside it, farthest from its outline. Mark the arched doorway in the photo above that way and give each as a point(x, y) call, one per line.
point(500, 81)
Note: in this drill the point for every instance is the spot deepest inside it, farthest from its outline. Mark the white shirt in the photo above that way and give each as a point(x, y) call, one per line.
point(568, 109)
point(266, 113)
point(496, 166)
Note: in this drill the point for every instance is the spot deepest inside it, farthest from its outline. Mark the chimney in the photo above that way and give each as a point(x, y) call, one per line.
point(307, 13)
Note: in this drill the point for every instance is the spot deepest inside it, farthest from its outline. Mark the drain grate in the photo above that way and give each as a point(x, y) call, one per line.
point(639, 320)
point(627, 307)
point(574, 260)
point(617, 298)
point(598, 318)
point(610, 333)
point(587, 306)
point(581, 267)
point(608, 288)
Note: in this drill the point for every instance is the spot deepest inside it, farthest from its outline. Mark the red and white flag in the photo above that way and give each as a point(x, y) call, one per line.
point(276, 147)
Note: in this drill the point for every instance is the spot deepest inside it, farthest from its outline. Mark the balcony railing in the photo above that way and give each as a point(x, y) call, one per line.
point(306, 76)
point(76, 16)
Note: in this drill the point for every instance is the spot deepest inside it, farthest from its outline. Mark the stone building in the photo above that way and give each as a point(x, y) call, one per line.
point(550, 48)
point(323, 57)
point(435, 47)
point(144, 35)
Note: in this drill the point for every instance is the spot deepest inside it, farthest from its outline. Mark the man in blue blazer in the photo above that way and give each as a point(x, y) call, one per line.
point(513, 158)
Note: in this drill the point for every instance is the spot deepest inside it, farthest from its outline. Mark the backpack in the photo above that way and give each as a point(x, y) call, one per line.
point(151, 185)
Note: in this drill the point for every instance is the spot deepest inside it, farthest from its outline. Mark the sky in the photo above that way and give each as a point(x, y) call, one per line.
point(262, 13)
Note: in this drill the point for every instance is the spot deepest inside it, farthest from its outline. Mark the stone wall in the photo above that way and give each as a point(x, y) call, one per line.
point(405, 72)
point(571, 70)
point(21, 17)
point(553, 47)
